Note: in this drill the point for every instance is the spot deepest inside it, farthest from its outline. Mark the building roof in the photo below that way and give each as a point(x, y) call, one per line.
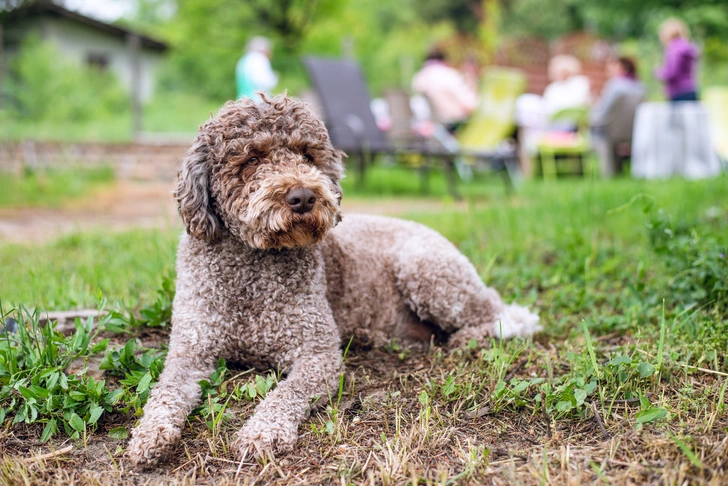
point(48, 8)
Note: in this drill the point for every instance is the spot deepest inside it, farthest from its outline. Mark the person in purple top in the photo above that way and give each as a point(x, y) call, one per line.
point(678, 69)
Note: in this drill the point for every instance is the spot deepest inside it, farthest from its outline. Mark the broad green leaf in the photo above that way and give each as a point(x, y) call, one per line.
point(644, 402)
point(48, 431)
point(650, 415)
point(621, 359)
point(564, 406)
point(521, 386)
point(52, 380)
point(27, 393)
point(144, 383)
point(100, 347)
point(580, 396)
point(119, 433)
point(114, 396)
point(645, 369)
point(94, 413)
point(76, 422)
point(40, 392)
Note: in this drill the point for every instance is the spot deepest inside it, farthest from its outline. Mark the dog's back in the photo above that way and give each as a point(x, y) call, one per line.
point(363, 254)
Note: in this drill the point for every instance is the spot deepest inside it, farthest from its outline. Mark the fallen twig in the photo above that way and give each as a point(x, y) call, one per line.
point(546, 416)
point(49, 455)
point(599, 421)
point(515, 370)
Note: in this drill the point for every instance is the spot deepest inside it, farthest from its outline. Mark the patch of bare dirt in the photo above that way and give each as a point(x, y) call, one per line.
point(147, 204)
point(382, 433)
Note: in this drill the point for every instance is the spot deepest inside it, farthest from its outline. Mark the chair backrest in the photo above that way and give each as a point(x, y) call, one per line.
point(619, 128)
point(310, 97)
point(345, 100)
point(715, 100)
point(494, 119)
point(400, 115)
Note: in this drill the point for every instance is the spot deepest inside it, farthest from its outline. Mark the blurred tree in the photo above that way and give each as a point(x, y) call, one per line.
point(289, 19)
point(465, 15)
point(613, 19)
point(42, 87)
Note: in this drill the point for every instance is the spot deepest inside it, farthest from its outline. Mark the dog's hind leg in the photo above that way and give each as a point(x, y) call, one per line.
point(442, 287)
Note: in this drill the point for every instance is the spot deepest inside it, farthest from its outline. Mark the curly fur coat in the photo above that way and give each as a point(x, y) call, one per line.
point(264, 278)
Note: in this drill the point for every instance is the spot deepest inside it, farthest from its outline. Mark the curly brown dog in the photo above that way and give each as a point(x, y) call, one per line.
point(265, 280)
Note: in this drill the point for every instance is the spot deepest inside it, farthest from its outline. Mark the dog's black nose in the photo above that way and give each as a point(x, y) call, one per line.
point(301, 199)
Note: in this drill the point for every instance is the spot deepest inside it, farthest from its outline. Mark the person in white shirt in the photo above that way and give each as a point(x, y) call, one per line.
point(253, 73)
point(451, 98)
point(569, 88)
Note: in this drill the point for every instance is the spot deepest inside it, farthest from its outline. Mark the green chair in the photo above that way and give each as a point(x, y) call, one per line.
point(715, 100)
point(494, 120)
point(570, 147)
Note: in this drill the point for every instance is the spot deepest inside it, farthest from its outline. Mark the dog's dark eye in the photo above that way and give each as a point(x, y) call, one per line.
point(308, 158)
point(253, 160)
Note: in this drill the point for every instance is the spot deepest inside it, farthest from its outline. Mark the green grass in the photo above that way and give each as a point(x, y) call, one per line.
point(169, 113)
point(72, 271)
point(51, 188)
point(401, 178)
point(630, 370)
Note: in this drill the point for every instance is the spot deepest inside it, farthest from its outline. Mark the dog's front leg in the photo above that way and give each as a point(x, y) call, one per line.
point(274, 425)
point(171, 400)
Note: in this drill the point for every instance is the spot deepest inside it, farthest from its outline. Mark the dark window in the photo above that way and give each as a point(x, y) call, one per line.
point(97, 60)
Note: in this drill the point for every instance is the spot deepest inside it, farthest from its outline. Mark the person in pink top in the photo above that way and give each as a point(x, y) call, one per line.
point(451, 98)
point(681, 58)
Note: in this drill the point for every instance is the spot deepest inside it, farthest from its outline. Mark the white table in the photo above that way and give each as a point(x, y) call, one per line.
point(673, 139)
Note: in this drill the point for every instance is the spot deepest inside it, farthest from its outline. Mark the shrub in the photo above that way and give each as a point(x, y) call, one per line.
point(42, 86)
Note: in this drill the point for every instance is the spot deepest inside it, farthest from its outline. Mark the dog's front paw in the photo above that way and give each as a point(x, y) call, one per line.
point(151, 444)
point(259, 436)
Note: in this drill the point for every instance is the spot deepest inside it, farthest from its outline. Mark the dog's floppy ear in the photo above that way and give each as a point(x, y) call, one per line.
point(193, 193)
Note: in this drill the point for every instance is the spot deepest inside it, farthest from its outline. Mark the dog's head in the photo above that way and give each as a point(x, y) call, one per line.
point(264, 173)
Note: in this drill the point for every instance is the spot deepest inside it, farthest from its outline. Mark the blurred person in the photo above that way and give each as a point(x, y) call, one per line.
point(568, 88)
point(254, 73)
point(451, 98)
point(622, 81)
point(678, 68)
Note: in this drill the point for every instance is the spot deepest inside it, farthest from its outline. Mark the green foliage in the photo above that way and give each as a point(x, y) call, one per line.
point(696, 259)
point(219, 390)
point(41, 86)
point(157, 314)
point(138, 373)
point(51, 187)
point(69, 272)
point(464, 14)
point(388, 39)
point(36, 387)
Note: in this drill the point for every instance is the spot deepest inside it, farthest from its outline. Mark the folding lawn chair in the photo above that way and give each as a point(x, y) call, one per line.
point(345, 100)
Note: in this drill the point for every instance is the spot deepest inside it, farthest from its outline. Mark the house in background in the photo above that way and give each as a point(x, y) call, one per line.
point(134, 58)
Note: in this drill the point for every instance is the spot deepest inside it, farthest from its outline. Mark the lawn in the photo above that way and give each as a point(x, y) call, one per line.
point(170, 114)
point(625, 384)
point(51, 187)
